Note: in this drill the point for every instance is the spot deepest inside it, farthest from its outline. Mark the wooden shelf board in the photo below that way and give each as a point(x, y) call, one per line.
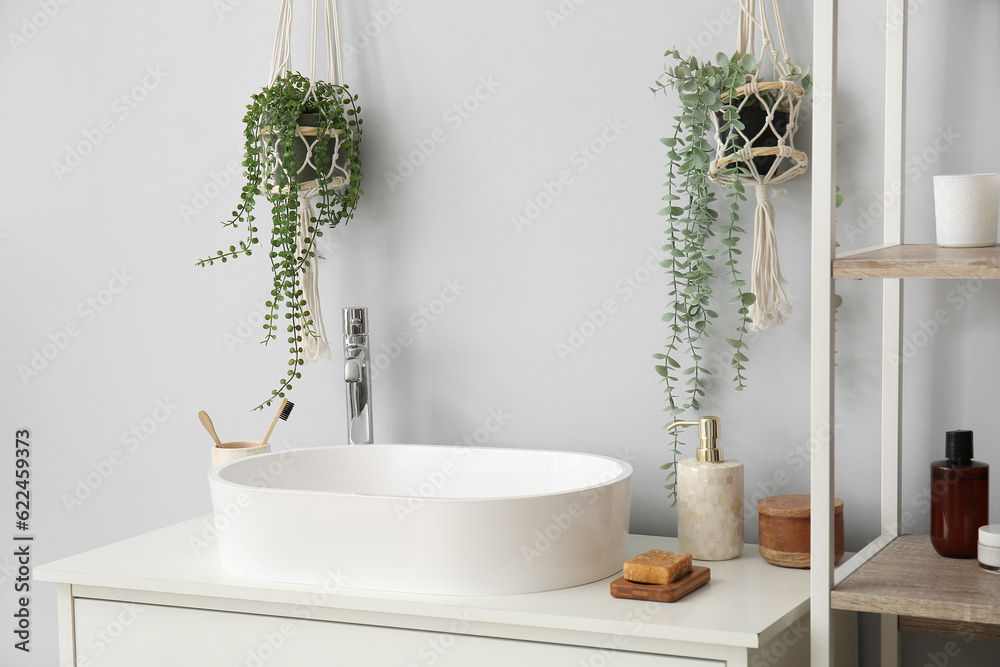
point(909, 578)
point(920, 261)
point(935, 626)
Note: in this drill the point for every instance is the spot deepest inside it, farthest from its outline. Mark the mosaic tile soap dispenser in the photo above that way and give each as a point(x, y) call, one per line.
point(709, 497)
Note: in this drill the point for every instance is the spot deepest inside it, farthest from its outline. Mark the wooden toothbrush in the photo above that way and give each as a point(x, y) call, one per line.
point(206, 421)
point(283, 412)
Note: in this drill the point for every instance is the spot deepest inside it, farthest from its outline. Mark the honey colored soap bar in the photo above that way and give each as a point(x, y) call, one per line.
point(657, 567)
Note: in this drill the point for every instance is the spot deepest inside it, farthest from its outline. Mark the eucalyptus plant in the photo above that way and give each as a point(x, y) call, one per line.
point(701, 243)
point(270, 131)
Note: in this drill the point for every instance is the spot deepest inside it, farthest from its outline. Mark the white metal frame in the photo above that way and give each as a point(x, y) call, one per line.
point(823, 579)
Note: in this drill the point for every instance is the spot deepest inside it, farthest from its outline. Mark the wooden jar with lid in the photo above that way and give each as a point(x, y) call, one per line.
point(783, 530)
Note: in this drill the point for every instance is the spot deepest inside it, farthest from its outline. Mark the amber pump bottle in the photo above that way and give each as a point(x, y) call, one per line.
point(960, 498)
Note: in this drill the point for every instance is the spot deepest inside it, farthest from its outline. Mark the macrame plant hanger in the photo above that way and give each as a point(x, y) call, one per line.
point(315, 344)
point(766, 280)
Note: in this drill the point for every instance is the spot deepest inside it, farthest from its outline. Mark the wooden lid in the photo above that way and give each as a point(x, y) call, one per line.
point(795, 506)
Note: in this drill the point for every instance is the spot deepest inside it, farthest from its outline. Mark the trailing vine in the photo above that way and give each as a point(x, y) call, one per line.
point(696, 239)
point(271, 170)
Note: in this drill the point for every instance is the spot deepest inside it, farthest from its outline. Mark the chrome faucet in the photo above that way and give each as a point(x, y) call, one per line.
point(357, 376)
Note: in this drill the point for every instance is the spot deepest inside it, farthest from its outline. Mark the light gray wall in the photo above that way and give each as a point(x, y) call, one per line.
point(97, 253)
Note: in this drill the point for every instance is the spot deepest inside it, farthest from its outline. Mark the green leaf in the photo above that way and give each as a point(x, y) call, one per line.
point(672, 211)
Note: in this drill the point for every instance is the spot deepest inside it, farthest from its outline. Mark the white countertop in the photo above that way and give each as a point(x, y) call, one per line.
point(746, 602)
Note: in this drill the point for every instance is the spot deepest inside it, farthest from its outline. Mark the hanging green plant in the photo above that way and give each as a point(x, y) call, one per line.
point(696, 238)
point(301, 142)
point(702, 243)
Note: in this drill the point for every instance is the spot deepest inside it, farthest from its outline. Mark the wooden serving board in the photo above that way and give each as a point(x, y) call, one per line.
point(698, 577)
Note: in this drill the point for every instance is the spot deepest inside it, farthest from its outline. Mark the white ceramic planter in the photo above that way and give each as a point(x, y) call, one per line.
point(965, 208)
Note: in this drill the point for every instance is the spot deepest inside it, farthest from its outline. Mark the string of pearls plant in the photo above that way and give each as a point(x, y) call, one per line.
point(271, 130)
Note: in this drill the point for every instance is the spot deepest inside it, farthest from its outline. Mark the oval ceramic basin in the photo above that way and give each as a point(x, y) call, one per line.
point(423, 518)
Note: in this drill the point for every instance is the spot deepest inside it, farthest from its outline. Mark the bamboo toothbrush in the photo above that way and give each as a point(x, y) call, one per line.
point(283, 412)
point(206, 421)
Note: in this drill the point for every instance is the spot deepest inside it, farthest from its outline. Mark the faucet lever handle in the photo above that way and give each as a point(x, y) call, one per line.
point(355, 321)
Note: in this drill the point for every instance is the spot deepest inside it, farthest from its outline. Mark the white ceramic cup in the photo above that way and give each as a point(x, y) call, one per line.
point(230, 451)
point(965, 208)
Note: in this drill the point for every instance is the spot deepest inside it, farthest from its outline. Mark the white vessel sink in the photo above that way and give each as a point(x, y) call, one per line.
point(423, 518)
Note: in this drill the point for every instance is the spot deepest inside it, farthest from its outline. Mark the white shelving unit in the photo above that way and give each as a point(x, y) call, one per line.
point(887, 576)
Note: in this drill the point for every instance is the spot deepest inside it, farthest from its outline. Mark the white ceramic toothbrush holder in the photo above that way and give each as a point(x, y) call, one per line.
point(230, 451)
point(965, 210)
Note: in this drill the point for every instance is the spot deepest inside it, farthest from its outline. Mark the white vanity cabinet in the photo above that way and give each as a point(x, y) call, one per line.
point(162, 600)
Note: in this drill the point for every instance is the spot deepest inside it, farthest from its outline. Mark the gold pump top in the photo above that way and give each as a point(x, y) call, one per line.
point(709, 432)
